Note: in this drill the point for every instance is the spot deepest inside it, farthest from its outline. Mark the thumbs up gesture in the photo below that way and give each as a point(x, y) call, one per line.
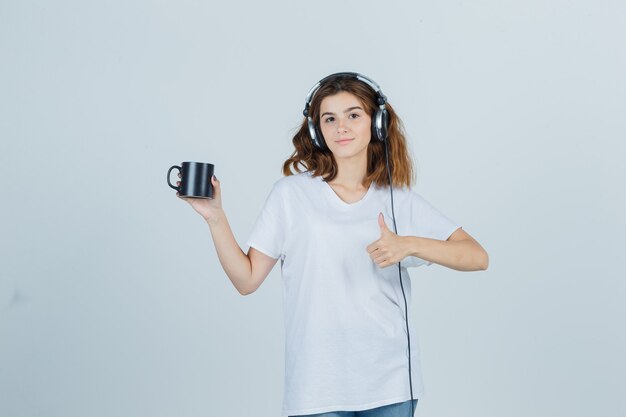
point(390, 248)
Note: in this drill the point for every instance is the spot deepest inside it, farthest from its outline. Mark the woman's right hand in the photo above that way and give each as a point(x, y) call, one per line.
point(208, 208)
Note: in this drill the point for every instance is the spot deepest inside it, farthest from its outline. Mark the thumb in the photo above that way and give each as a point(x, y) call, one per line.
point(216, 184)
point(382, 224)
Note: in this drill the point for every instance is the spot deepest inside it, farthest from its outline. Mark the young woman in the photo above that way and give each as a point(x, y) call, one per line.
point(327, 220)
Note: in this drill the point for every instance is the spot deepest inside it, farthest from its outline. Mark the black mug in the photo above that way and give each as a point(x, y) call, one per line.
point(195, 179)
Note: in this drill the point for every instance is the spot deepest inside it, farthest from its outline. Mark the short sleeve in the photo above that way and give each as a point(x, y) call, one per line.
point(427, 221)
point(268, 232)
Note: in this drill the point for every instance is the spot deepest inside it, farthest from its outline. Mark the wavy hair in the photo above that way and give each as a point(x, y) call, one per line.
point(322, 162)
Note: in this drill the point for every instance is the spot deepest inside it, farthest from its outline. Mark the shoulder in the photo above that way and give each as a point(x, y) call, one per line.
point(287, 190)
point(418, 200)
point(295, 181)
point(410, 193)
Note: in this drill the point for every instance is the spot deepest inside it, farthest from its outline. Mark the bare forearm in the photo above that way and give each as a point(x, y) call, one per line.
point(236, 264)
point(462, 255)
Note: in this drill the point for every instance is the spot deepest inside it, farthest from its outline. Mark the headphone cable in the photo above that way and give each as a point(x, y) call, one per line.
point(406, 311)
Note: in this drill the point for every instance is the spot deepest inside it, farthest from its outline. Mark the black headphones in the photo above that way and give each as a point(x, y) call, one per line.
point(380, 121)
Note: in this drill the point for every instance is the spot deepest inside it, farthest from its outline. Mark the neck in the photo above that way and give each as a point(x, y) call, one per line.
point(351, 172)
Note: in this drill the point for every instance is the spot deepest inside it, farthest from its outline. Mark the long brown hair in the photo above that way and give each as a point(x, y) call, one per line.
point(322, 162)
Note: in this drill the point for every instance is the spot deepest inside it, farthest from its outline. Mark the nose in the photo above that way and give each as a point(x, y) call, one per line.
point(341, 127)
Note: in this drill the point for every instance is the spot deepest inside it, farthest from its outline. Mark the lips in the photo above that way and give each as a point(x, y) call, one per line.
point(343, 141)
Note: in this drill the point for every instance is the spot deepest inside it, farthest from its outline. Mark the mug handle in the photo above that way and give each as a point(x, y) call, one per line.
point(168, 176)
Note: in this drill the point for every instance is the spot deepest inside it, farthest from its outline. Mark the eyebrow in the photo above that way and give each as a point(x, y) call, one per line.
point(345, 111)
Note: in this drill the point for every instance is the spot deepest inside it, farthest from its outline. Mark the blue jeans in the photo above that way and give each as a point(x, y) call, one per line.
point(391, 410)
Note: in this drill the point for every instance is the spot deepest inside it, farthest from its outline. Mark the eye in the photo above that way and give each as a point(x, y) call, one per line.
point(329, 119)
point(354, 115)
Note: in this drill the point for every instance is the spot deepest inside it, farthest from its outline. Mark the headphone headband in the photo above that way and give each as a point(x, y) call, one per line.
point(382, 99)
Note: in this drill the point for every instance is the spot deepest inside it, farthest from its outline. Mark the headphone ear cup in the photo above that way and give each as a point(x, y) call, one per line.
point(380, 124)
point(316, 135)
point(384, 125)
point(320, 138)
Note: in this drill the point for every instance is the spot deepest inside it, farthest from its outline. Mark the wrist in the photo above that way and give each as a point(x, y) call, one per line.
point(215, 217)
point(411, 246)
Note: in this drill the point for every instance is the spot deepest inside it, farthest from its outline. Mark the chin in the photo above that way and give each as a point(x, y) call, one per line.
point(348, 153)
point(346, 156)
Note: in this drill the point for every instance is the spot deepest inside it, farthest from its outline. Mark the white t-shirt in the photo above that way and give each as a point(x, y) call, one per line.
point(345, 332)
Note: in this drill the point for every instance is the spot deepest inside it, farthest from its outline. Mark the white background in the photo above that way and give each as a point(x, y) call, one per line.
point(112, 299)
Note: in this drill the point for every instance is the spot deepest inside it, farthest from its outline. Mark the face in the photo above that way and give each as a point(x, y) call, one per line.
point(346, 125)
